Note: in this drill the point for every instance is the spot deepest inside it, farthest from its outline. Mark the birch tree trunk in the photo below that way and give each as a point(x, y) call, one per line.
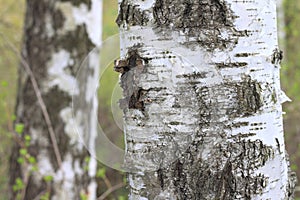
point(202, 100)
point(281, 24)
point(58, 35)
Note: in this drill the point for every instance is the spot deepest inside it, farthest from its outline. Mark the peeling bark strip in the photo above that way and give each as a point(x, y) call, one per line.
point(131, 69)
point(210, 126)
point(58, 36)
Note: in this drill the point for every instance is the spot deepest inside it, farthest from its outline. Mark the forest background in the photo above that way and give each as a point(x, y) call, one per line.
point(11, 24)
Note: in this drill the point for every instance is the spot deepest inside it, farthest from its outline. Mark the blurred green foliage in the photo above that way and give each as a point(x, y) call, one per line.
point(290, 79)
point(291, 66)
point(11, 21)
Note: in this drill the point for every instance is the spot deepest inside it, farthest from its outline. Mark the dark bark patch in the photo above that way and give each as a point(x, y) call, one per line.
point(222, 176)
point(136, 101)
point(131, 69)
point(179, 178)
point(231, 65)
point(131, 15)
point(205, 20)
point(79, 48)
point(57, 100)
point(277, 56)
point(58, 19)
point(239, 124)
point(249, 98)
point(239, 55)
point(234, 99)
point(160, 176)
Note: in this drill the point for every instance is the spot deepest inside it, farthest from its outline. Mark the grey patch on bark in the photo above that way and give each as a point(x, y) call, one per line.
point(249, 99)
point(228, 173)
point(207, 21)
point(222, 177)
point(242, 98)
point(131, 15)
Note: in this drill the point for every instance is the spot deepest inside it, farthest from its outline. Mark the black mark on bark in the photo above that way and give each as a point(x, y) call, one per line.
point(245, 54)
point(231, 65)
point(277, 56)
point(160, 176)
point(136, 101)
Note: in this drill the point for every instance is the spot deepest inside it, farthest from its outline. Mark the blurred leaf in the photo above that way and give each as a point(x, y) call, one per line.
point(294, 167)
point(101, 173)
point(21, 160)
point(121, 198)
point(19, 128)
point(34, 168)
point(19, 185)
point(32, 160)
point(45, 196)
point(48, 178)
point(83, 196)
point(27, 137)
point(23, 151)
point(13, 117)
point(4, 83)
point(87, 159)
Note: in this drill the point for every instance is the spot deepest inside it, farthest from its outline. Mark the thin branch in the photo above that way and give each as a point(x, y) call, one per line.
point(40, 101)
point(110, 190)
point(25, 181)
point(107, 182)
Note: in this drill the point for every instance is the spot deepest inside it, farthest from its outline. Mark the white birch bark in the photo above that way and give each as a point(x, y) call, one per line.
point(202, 100)
point(59, 35)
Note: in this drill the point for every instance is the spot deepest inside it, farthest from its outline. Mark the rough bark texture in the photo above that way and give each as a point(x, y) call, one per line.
point(202, 100)
point(58, 35)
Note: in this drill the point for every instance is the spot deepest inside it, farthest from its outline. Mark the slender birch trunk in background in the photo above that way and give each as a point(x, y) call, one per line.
point(281, 24)
point(202, 100)
point(58, 35)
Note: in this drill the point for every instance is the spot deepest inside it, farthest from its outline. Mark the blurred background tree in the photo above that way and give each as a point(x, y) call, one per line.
point(11, 22)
